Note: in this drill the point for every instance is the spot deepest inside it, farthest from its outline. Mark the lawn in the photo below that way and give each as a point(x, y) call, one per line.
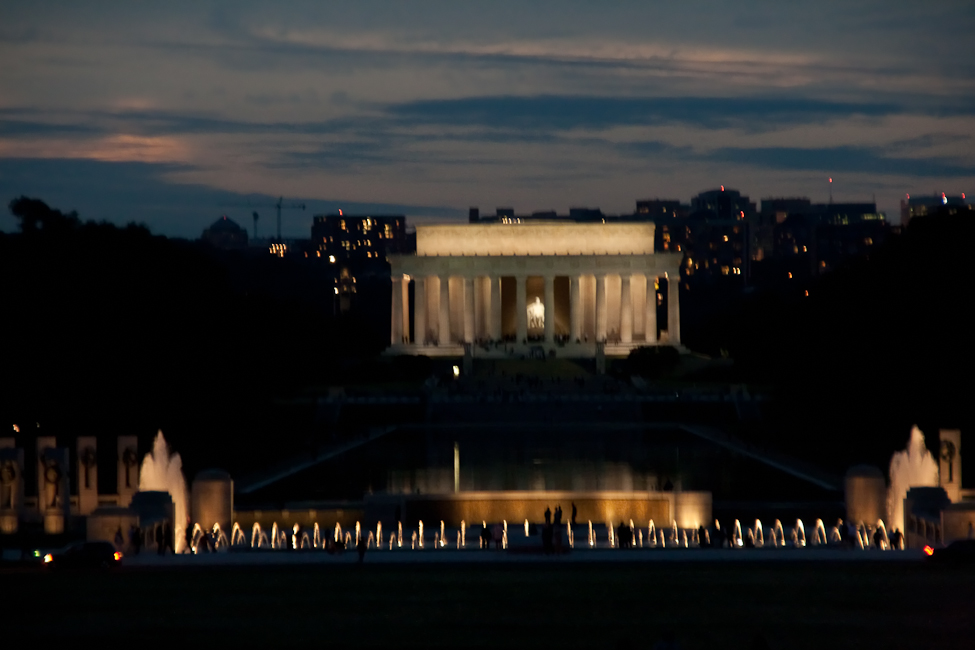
point(817, 605)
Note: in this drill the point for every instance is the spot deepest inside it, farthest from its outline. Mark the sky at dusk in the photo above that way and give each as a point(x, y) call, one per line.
point(173, 113)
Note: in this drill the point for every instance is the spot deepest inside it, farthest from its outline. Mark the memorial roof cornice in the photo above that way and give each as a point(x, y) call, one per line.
point(534, 264)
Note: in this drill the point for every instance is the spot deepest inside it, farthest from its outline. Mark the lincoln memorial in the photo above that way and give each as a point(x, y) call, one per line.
point(562, 288)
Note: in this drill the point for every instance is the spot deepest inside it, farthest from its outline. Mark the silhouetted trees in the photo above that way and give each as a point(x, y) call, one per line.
point(114, 330)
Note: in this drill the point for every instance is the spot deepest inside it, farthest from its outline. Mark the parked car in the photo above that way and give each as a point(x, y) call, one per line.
point(85, 555)
point(961, 551)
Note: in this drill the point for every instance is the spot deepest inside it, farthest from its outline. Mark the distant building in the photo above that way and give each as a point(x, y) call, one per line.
point(920, 206)
point(357, 246)
point(661, 208)
point(508, 216)
point(358, 238)
point(725, 204)
point(225, 234)
point(799, 239)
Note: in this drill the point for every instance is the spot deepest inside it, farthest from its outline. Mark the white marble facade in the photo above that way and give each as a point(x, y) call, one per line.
point(563, 286)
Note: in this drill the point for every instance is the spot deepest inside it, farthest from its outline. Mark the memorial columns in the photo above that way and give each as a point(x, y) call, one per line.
point(396, 327)
point(575, 310)
point(550, 309)
point(420, 311)
point(650, 322)
point(443, 333)
point(673, 309)
point(468, 310)
point(495, 309)
point(405, 315)
point(521, 308)
point(601, 308)
point(626, 309)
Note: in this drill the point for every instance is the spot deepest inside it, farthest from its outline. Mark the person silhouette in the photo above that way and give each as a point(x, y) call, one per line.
point(575, 512)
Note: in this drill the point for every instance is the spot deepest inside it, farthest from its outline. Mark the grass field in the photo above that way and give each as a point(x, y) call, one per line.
point(821, 605)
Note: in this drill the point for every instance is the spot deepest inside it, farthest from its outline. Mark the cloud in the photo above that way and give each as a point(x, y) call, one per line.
point(123, 192)
point(578, 112)
point(841, 159)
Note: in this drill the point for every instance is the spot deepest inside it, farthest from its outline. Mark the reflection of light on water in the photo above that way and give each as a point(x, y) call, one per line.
point(399, 534)
point(338, 532)
point(504, 535)
point(318, 537)
point(526, 528)
point(651, 534)
point(736, 534)
point(612, 534)
point(442, 537)
point(421, 534)
point(379, 534)
point(463, 534)
point(592, 536)
point(358, 533)
point(414, 541)
point(639, 536)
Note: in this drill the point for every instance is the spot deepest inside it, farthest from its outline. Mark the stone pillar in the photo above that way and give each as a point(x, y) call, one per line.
point(87, 474)
point(495, 308)
point(549, 309)
point(44, 444)
point(396, 326)
point(468, 310)
point(601, 308)
point(128, 469)
point(443, 333)
point(673, 308)
point(420, 311)
point(949, 463)
point(626, 309)
point(405, 301)
point(521, 307)
point(53, 487)
point(11, 485)
point(575, 310)
point(650, 322)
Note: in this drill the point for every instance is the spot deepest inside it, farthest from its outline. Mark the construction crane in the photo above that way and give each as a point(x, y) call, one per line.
point(277, 205)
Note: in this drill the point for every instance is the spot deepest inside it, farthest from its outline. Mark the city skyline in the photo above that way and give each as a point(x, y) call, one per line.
point(173, 116)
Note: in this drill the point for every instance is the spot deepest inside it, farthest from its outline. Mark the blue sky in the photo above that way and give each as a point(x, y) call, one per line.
point(174, 113)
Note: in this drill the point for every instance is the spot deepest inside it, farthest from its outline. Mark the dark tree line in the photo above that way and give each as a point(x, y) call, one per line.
point(875, 347)
point(112, 330)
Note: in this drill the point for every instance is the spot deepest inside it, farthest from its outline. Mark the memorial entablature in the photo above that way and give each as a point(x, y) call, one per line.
point(563, 286)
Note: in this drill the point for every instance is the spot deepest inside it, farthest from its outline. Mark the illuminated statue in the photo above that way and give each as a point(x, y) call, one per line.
point(536, 315)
